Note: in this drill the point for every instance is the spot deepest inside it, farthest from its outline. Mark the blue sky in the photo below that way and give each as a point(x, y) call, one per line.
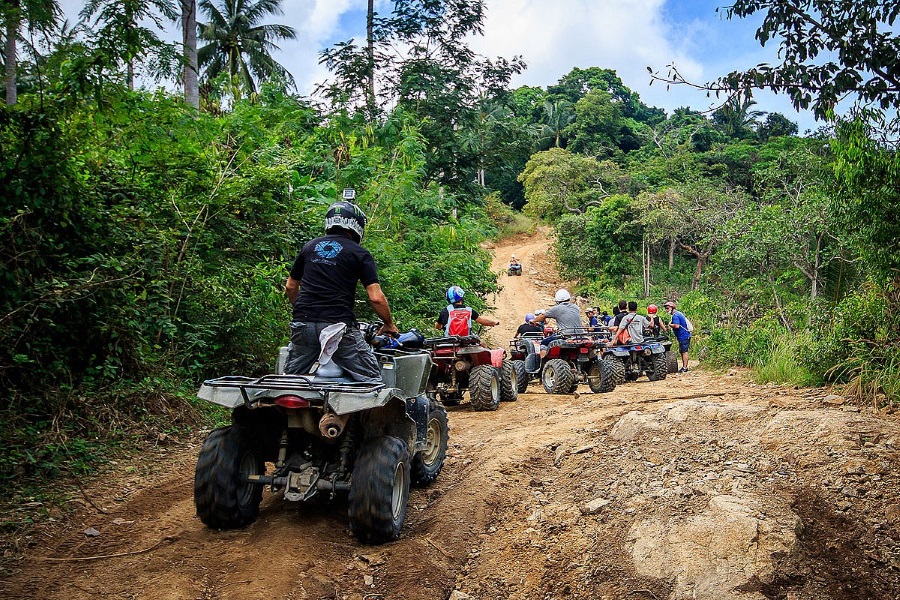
point(555, 36)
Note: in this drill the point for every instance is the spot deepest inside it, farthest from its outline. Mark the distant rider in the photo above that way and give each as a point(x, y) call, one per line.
point(528, 326)
point(322, 289)
point(457, 318)
point(634, 322)
point(657, 325)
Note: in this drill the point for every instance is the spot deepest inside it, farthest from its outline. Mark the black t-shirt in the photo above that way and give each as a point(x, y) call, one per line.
point(328, 269)
point(529, 328)
point(445, 315)
point(618, 318)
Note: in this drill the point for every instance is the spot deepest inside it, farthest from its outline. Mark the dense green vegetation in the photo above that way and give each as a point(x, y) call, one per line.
point(144, 244)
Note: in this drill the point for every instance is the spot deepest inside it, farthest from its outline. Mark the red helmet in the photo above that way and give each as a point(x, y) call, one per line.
point(651, 309)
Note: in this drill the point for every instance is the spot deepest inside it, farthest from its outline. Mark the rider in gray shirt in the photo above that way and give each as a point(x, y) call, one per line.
point(567, 316)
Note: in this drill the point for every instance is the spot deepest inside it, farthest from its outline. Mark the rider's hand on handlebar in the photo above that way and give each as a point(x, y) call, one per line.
point(390, 330)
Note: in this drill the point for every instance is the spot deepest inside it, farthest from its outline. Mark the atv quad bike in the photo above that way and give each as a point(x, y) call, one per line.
point(326, 436)
point(671, 356)
point(573, 358)
point(514, 270)
point(637, 359)
point(463, 363)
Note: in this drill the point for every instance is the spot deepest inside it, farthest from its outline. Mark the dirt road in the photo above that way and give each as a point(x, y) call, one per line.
point(699, 486)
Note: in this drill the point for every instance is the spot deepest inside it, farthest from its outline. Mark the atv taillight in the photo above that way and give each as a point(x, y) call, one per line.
point(584, 350)
point(291, 401)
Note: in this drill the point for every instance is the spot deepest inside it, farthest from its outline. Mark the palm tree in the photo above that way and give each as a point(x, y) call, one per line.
point(40, 15)
point(238, 44)
point(189, 43)
point(736, 120)
point(558, 114)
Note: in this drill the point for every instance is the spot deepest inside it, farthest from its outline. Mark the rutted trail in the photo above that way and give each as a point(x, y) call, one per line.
point(699, 486)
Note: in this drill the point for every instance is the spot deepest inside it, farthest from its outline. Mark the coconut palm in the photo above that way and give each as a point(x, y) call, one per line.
point(38, 15)
point(239, 44)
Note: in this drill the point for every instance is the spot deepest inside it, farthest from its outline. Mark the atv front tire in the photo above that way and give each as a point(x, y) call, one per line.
point(427, 463)
point(222, 495)
point(379, 490)
point(509, 386)
point(484, 388)
point(557, 377)
point(521, 376)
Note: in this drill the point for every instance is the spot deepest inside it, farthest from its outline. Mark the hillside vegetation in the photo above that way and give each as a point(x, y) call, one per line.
point(144, 243)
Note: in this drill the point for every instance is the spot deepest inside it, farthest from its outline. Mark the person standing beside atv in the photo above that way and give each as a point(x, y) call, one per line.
point(567, 315)
point(322, 289)
point(633, 322)
point(680, 327)
point(657, 325)
point(457, 318)
point(593, 320)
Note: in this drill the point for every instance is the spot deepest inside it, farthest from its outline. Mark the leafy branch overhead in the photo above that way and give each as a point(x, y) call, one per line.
point(830, 51)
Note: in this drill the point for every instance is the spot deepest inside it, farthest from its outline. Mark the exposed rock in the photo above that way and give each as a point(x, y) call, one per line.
point(594, 506)
point(833, 400)
point(634, 424)
point(709, 554)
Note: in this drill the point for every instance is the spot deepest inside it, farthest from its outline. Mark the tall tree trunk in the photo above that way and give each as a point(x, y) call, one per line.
point(671, 252)
point(129, 75)
point(370, 57)
point(9, 54)
point(189, 40)
point(645, 265)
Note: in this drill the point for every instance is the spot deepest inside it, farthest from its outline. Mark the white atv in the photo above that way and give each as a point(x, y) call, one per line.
point(326, 435)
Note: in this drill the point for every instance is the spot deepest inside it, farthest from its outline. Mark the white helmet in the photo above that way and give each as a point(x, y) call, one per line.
point(562, 296)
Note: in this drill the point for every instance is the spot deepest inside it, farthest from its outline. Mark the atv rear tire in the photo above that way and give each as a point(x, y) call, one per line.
point(659, 367)
point(427, 463)
point(509, 386)
point(557, 377)
point(484, 388)
point(521, 376)
point(379, 490)
point(223, 498)
point(672, 361)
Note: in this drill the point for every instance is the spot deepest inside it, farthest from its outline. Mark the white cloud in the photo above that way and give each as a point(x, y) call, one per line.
point(553, 38)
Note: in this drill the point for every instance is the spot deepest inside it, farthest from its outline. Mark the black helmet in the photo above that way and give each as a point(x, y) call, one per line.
point(348, 216)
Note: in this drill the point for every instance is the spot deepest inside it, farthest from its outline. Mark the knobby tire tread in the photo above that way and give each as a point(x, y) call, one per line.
point(372, 519)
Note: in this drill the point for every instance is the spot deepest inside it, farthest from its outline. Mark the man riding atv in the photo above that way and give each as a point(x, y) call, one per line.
point(567, 316)
point(457, 318)
point(515, 267)
point(322, 288)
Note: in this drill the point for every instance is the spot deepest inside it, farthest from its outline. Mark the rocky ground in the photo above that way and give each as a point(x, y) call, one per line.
point(703, 485)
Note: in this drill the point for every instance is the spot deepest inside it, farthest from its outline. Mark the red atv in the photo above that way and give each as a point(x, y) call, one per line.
point(573, 358)
point(462, 362)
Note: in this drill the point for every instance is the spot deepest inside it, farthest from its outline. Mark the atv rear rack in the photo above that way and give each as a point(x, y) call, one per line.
point(235, 388)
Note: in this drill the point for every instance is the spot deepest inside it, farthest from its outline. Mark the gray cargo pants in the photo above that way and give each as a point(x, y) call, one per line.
point(353, 354)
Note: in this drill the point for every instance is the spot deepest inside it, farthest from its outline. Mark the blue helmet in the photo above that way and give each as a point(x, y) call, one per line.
point(455, 294)
point(529, 317)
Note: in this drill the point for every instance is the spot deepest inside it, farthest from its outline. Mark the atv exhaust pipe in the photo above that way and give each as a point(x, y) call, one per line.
point(331, 426)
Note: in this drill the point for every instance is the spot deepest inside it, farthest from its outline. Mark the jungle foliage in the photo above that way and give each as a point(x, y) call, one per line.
point(144, 245)
point(782, 248)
